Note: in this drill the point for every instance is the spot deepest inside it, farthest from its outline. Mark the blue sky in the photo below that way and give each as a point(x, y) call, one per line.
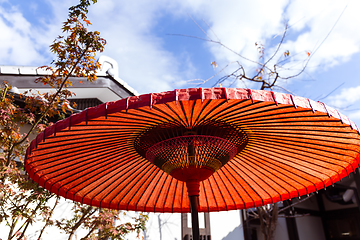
point(151, 59)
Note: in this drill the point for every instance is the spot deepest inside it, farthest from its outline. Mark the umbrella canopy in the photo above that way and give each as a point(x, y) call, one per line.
point(235, 148)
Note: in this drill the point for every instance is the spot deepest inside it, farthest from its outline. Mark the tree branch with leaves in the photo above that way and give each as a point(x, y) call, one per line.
point(23, 202)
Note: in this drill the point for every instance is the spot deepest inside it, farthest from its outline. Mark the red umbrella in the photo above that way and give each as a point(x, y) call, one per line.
point(224, 148)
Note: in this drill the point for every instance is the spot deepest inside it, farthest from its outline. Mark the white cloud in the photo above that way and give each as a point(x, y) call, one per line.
point(346, 98)
point(147, 65)
point(239, 24)
point(143, 61)
point(314, 20)
point(348, 102)
point(17, 45)
point(354, 115)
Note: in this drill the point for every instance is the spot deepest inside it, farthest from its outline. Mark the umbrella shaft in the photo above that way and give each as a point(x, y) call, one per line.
point(194, 204)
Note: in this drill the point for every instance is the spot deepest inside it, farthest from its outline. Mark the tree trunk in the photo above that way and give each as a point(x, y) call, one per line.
point(268, 220)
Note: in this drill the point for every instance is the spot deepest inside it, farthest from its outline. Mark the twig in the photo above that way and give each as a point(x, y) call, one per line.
point(47, 108)
point(293, 204)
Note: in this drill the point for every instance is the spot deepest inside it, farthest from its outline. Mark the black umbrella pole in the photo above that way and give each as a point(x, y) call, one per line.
point(194, 205)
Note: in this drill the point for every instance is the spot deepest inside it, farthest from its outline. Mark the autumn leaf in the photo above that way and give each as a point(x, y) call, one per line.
point(214, 64)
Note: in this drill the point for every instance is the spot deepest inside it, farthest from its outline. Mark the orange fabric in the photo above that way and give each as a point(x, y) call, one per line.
point(295, 146)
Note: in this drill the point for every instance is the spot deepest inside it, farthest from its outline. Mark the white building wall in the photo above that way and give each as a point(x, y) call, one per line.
point(281, 230)
point(310, 227)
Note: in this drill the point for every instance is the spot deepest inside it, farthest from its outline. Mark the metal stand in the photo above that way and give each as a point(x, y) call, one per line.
point(194, 205)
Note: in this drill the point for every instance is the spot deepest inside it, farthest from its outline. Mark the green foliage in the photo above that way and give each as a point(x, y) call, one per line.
point(100, 223)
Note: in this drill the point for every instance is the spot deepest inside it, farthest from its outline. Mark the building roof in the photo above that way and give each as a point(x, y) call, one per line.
point(108, 86)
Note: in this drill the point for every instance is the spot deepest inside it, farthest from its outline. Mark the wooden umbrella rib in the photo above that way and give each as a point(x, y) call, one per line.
point(161, 179)
point(129, 180)
point(291, 159)
point(70, 161)
point(253, 114)
point(276, 163)
point(337, 173)
point(215, 189)
point(60, 151)
point(305, 149)
point(227, 190)
point(277, 116)
point(234, 107)
point(242, 163)
point(239, 176)
point(260, 114)
point(191, 120)
point(59, 161)
point(249, 166)
point(269, 162)
point(310, 143)
point(63, 142)
point(128, 127)
point(306, 126)
point(167, 194)
point(280, 175)
point(148, 174)
point(174, 198)
point(179, 113)
point(273, 176)
point(221, 172)
point(160, 200)
point(186, 117)
point(154, 113)
point(211, 198)
point(159, 175)
point(171, 197)
point(167, 115)
point(85, 176)
point(204, 110)
point(136, 114)
point(202, 184)
point(221, 108)
point(160, 190)
point(112, 190)
point(172, 115)
point(177, 204)
point(275, 168)
point(119, 173)
point(311, 134)
point(299, 128)
point(134, 167)
point(94, 132)
point(82, 141)
point(204, 107)
point(178, 117)
point(119, 176)
point(182, 198)
point(287, 117)
point(116, 120)
point(306, 173)
point(306, 146)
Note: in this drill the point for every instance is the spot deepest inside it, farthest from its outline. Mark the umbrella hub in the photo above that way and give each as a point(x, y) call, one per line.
point(191, 153)
point(191, 157)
